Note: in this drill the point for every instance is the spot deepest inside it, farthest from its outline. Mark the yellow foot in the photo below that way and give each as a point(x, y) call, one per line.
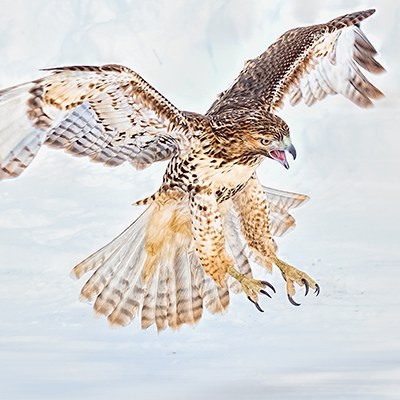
point(251, 287)
point(292, 275)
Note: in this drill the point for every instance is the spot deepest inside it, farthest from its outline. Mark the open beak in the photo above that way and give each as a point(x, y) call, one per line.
point(280, 156)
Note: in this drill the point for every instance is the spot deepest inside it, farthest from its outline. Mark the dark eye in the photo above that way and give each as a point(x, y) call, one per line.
point(264, 142)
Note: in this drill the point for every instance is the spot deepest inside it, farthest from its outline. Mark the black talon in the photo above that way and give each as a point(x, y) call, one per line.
point(292, 301)
point(317, 289)
point(307, 286)
point(256, 304)
point(267, 294)
point(269, 285)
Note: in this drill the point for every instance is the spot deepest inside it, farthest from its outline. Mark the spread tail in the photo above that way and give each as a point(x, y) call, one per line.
point(151, 270)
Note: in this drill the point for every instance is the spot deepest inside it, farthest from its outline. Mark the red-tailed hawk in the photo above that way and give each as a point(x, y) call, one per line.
point(192, 244)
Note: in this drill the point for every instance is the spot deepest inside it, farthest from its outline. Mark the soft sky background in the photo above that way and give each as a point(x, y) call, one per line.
point(342, 345)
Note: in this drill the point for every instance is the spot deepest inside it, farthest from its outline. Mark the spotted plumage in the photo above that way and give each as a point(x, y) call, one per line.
point(193, 244)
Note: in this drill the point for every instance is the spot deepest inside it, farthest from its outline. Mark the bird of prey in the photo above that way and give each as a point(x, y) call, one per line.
point(193, 244)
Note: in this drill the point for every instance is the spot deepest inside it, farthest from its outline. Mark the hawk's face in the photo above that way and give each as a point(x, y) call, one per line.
point(270, 138)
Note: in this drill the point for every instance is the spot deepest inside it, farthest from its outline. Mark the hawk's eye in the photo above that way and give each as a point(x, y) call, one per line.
point(265, 142)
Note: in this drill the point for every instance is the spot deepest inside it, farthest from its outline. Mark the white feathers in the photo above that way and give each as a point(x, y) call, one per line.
point(334, 69)
point(17, 148)
point(120, 260)
point(22, 154)
point(280, 202)
point(13, 118)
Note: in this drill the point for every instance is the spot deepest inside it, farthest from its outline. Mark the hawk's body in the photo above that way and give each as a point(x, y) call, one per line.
point(210, 210)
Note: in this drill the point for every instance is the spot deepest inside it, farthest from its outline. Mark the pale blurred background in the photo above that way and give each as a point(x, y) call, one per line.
point(342, 345)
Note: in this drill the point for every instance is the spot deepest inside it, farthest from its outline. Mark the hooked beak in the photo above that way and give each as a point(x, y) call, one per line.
point(292, 150)
point(280, 156)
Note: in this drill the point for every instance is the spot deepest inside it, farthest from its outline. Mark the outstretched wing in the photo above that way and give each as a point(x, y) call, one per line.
point(309, 63)
point(107, 113)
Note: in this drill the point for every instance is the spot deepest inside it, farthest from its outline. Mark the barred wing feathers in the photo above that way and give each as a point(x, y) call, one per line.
point(109, 114)
point(309, 63)
point(280, 202)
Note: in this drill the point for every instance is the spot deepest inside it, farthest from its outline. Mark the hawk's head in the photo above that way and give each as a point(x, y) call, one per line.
point(246, 132)
point(271, 138)
point(260, 133)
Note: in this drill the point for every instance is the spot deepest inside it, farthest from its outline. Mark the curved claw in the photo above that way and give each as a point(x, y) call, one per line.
point(292, 301)
point(256, 304)
point(264, 292)
point(269, 285)
point(317, 289)
point(307, 286)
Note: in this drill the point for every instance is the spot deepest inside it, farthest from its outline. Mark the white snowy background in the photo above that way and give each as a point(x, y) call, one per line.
point(342, 345)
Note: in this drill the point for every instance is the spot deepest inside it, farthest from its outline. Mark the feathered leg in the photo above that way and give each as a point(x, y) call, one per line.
point(208, 233)
point(252, 207)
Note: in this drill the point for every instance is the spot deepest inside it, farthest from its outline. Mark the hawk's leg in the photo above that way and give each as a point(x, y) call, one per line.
point(207, 228)
point(253, 212)
point(208, 235)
